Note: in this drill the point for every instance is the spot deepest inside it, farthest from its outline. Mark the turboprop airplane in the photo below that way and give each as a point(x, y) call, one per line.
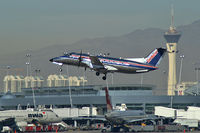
point(104, 65)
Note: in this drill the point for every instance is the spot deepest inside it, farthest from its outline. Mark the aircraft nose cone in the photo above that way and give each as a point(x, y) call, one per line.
point(51, 60)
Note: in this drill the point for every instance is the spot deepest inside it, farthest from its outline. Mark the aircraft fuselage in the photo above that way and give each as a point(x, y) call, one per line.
point(122, 117)
point(121, 65)
point(29, 116)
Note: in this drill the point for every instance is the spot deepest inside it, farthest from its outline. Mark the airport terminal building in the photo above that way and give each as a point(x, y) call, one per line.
point(135, 96)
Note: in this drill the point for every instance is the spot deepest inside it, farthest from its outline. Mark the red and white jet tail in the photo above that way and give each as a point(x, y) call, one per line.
point(108, 101)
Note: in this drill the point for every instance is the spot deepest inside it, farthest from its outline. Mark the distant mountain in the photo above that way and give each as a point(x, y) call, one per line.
point(135, 44)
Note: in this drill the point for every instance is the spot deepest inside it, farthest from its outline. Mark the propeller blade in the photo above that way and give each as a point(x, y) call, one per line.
point(80, 59)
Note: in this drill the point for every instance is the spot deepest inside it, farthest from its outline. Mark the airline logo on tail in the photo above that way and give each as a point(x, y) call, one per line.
point(108, 102)
point(155, 56)
point(152, 55)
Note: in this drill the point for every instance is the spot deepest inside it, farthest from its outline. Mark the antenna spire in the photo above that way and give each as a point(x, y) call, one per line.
point(172, 17)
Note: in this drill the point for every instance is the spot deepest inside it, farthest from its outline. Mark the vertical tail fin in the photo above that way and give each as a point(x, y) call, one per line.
point(155, 56)
point(108, 102)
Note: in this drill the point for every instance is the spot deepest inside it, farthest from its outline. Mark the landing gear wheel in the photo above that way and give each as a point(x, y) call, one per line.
point(97, 73)
point(104, 77)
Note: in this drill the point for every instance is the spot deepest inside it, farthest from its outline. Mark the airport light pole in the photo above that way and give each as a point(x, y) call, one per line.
point(37, 71)
point(180, 73)
point(69, 86)
point(27, 66)
point(84, 77)
point(8, 69)
point(112, 78)
point(164, 77)
point(29, 62)
point(34, 103)
point(197, 78)
point(141, 80)
point(171, 101)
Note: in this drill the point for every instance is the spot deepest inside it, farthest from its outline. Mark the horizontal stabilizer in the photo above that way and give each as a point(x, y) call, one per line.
point(142, 71)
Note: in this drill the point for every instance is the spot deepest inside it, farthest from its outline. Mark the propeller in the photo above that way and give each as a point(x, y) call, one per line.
point(65, 52)
point(80, 59)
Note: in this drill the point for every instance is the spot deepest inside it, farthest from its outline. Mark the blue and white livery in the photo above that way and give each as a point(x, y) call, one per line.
point(104, 65)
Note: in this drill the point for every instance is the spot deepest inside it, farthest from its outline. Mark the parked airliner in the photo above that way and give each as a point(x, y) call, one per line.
point(119, 118)
point(20, 118)
point(103, 65)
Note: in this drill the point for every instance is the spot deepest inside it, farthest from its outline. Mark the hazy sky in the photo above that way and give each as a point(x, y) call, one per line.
point(27, 24)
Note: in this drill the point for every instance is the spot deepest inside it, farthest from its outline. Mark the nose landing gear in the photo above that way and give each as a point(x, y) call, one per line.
point(98, 73)
point(60, 69)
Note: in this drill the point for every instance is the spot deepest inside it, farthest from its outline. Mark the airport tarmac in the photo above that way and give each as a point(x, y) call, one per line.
point(99, 131)
point(92, 131)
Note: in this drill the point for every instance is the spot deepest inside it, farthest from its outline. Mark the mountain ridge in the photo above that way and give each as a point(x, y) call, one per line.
point(134, 44)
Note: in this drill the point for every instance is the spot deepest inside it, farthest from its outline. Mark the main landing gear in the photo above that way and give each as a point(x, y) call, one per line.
point(98, 73)
point(104, 77)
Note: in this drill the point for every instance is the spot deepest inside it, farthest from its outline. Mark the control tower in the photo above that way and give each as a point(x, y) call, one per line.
point(172, 38)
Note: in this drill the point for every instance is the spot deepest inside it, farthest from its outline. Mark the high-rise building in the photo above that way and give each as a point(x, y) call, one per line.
point(34, 81)
point(57, 80)
point(77, 81)
point(13, 83)
point(172, 37)
point(64, 80)
point(82, 81)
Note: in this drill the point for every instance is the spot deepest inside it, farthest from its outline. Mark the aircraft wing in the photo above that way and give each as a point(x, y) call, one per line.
point(100, 118)
point(92, 118)
point(96, 64)
point(149, 117)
